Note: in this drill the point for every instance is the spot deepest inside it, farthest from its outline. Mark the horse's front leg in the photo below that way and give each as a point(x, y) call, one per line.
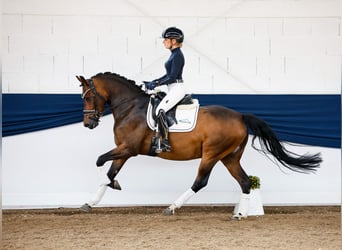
point(120, 152)
point(107, 180)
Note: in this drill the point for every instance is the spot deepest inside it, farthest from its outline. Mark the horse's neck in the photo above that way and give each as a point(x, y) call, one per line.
point(129, 105)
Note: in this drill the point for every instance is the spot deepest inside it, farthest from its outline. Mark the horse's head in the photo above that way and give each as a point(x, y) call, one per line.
point(93, 103)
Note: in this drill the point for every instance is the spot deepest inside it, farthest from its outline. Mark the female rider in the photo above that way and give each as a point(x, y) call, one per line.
point(173, 39)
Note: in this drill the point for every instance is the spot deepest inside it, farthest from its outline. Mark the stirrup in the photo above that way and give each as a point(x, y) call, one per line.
point(165, 145)
point(158, 148)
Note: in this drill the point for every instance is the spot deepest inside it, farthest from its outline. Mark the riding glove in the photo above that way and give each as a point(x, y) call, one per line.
point(150, 85)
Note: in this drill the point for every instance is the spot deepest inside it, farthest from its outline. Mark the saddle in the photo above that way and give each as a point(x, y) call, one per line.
point(181, 118)
point(171, 114)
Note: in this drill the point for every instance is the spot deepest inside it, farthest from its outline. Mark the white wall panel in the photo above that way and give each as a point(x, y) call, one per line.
point(5, 44)
point(190, 25)
point(41, 25)
point(126, 26)
point(255, 46)
point(243, 65)
point(199, 83)
point(128, 31)
point(325, 68)
point(240, 27)
point(68, 25)
point(269, 66)
point(12, 63)
point(48, 83)
point(292, 46)
point(12, 24)
point(97, 25)
point(286, 8)
point(141, 46)
point(96, 64)
point(334, 47)
point(208, 27)
point(83, 45)
point(115, 45)
point(151, 68)
point(37, 64)
point(151, 26)
point(127, 66)
point(75, 63)
point(258, 8)
point(23, 45)
point(325, 27)
point(226, 46)
point(70, 7)
point(268, 27)
point(298, 27)
point(20, 83)
point(55, 45)
point(276, 27)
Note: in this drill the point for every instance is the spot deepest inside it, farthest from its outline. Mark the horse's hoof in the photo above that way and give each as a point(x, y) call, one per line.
point(238, 217)
point(168, 211)
point(114, 185)
point(85, 208)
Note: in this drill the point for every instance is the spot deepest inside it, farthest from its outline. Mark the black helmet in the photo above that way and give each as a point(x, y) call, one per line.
point(173, 32)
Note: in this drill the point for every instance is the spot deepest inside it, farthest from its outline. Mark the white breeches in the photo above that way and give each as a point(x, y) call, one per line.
point(176, 92)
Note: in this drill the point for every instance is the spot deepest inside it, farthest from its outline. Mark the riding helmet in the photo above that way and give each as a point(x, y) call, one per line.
point(173, 32)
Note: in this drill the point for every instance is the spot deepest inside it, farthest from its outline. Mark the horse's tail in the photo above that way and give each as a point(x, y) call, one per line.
point(270, 144)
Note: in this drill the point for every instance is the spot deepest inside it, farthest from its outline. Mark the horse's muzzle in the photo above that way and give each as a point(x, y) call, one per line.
point(91, 122)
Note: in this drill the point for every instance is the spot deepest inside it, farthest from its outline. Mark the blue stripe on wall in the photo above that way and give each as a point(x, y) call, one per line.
point(22, 113)
point(305, 119)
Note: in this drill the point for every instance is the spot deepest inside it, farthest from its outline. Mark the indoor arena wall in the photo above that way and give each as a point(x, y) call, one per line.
point(231, 47)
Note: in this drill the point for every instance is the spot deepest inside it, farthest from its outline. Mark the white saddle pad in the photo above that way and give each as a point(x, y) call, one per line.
point(186, 116)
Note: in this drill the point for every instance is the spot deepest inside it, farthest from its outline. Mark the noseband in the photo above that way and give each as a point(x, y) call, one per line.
point(97, 114)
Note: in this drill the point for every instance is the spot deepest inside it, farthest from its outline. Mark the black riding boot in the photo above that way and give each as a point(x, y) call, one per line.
point(164, 131)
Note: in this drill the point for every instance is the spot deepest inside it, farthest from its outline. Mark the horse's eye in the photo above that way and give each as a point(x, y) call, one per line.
point(87, 99)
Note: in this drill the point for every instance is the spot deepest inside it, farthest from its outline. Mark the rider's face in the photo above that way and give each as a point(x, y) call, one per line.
point(167, 43)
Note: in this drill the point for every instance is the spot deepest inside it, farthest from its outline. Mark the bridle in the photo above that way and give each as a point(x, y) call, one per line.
point(97, 114)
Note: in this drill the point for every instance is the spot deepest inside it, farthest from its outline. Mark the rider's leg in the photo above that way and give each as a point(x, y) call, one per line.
point(164, 131)
point(175, 94)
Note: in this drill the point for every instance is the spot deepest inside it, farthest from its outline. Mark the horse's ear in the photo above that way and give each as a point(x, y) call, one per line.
point(82, 80)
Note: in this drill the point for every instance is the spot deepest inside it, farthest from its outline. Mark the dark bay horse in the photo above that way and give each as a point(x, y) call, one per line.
point(220, 134)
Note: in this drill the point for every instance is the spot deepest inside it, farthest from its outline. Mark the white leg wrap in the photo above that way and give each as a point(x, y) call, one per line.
point(100, 192)
point(184, 198)
point(243, 205)
point(103, 178)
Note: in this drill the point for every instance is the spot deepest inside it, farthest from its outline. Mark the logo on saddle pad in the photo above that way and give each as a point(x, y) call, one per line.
point(185, 117)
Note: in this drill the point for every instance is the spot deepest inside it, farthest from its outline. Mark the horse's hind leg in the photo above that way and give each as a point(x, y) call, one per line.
point(200, 182)
point(232, 163)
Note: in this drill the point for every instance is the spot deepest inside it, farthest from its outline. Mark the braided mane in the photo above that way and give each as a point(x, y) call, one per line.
point(119, 78)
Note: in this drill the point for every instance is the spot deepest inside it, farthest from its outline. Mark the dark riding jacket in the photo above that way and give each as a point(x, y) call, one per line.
point(174, 68)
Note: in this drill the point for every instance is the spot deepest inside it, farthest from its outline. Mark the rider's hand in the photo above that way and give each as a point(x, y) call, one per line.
point(150, 85)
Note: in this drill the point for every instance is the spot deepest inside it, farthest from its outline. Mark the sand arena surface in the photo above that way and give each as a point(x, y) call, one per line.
point(190, 228)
